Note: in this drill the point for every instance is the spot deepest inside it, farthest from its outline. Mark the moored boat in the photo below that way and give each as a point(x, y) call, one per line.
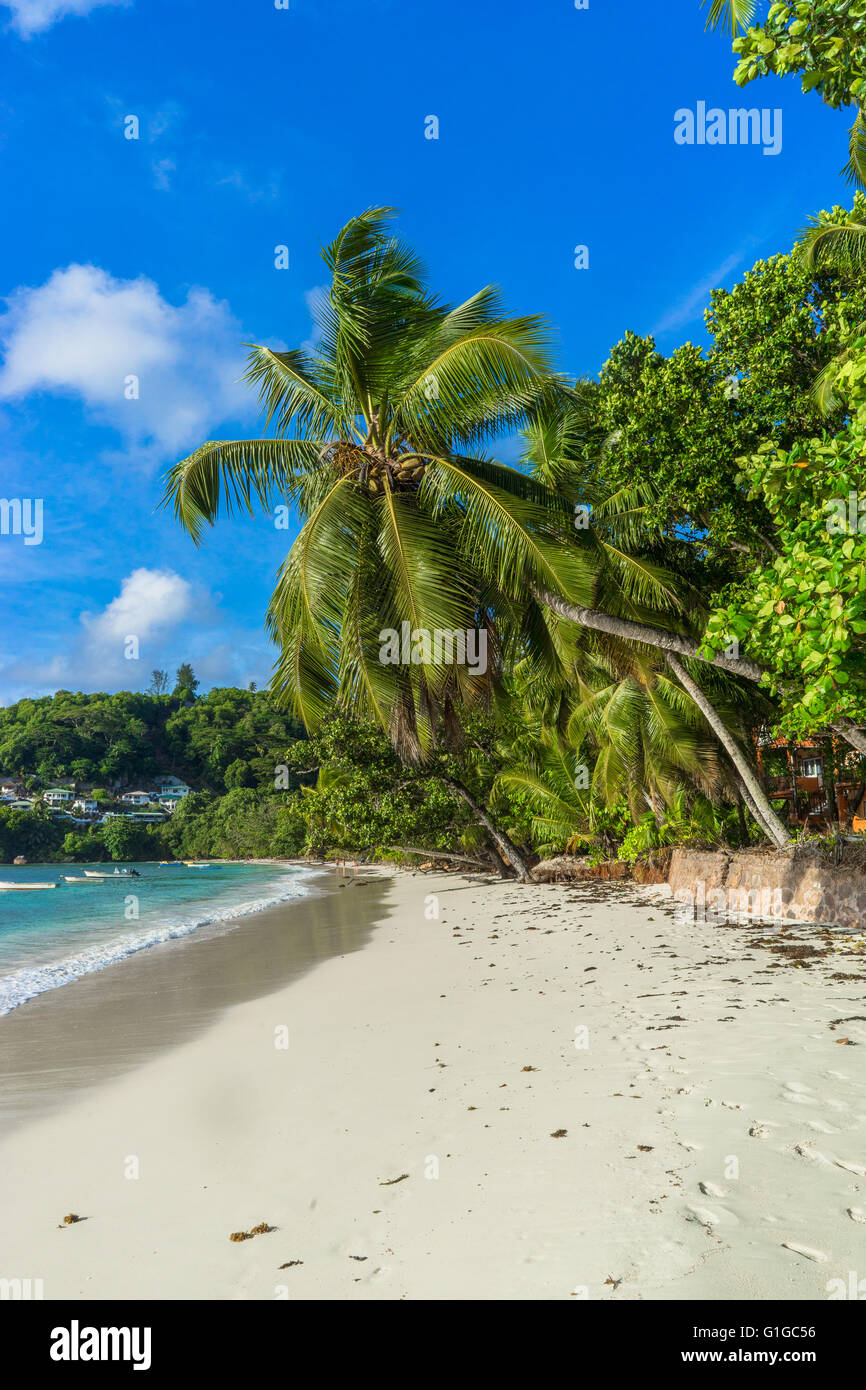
point(24, 887)
point(118, 873)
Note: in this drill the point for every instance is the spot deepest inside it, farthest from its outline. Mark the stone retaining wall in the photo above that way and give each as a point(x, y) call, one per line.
point(800, 884)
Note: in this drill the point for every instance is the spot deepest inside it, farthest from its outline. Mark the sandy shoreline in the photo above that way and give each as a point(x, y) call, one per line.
point(714, 1141)
point(109, 1021)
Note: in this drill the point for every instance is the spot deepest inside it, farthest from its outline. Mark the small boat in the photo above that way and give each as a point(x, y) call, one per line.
point(24, 887)
point(70, 879)
point(192, 864)
point(168, 863)
point(118, 873)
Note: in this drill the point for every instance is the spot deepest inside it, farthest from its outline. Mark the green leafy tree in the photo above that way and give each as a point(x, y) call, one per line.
point(239, 774)
point(805, 614)
point(822, 40)
point(30, 833)
point(124, 839)
point(186, 684)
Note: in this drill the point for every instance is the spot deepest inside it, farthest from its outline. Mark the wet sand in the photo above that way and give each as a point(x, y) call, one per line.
point(107, 1023)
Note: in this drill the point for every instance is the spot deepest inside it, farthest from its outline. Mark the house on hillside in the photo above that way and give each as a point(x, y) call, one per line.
point(58, 796)
point(85, 806)
point(19, 804)
point(10, 788)
point(136, 798)
point(171, 789)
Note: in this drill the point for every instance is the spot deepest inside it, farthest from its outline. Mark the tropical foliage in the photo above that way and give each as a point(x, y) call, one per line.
point(822, 40)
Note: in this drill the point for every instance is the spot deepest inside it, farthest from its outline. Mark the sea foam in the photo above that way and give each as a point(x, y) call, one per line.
point(29, 981)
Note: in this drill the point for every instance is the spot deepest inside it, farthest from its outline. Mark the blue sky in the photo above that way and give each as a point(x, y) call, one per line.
point(261, 127)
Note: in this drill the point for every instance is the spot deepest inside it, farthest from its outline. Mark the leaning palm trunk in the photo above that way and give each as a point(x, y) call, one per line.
point(509, 851)
point(774, 827)
point(658, 637)
point(749, 801)
point(673, 642)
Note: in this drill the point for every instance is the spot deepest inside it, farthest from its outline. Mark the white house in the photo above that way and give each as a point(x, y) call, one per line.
point(136, 798)
point(171, 787)
point(22, 805)
point(58, 796)
point(86, 805)
point(11, 787)
point(168, 803)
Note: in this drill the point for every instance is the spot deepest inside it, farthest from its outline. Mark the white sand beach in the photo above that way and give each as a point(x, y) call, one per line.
point(433, 1131)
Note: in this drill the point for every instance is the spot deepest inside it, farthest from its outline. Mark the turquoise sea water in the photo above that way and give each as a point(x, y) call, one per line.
point(50, 938)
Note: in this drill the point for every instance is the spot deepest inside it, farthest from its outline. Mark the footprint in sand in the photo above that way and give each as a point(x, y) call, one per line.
point(702, 1215)
point(710, 1189)
point(813, 1155)
point(857, 1214)
point(759, 1132)
point(806, 1251)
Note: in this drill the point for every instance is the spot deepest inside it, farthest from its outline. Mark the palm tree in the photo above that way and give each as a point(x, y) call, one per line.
point(410, 530)
point(648, 737)
point(626, 581)
point(646, 740)
point(546, 778)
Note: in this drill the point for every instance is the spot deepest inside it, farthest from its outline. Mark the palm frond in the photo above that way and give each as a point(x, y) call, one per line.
point(854, 170)
point(840, 245)
point(514, 542)
point(234, 473)
point(730, 15)
point(290, 394)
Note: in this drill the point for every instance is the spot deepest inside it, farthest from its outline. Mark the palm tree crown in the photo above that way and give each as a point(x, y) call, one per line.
point(380, 437)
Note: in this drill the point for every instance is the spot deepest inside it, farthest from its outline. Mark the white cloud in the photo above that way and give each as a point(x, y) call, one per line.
point(252, 188)
point(149, 600)
point(88, 334)
point(162, 171)
point(692, 304)
point(171, 619)
point(31, 17)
